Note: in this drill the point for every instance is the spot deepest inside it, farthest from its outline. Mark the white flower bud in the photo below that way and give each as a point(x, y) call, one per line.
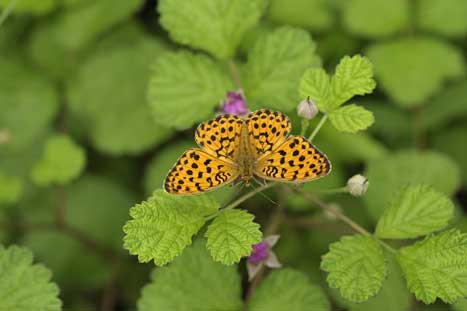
point(307, 109)
point(357, 185)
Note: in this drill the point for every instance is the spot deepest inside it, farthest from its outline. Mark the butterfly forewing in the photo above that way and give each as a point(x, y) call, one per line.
point(220, 137)
point(267, 130)
point(296, 160)
point(197, 171)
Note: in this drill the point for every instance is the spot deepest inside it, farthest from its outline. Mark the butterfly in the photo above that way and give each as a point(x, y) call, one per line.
point(233, 148)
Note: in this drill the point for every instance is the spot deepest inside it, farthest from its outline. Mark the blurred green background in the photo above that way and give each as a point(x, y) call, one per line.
point(83, 138)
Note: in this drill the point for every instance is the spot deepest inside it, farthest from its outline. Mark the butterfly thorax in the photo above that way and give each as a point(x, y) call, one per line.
point(245, 157)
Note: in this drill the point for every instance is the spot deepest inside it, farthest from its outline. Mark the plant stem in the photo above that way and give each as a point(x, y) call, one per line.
point(343, 189)
point(235, 74)
point(318, 127)
point(6, 12)
point(305, 125)
point(345, 219)
point(241, 199)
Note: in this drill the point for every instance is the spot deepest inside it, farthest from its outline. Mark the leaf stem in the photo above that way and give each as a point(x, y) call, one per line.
point(345, 219)
point(6, 12)
point(343, 189)
point(305, 125)
point(235, 74)
point(318, 127)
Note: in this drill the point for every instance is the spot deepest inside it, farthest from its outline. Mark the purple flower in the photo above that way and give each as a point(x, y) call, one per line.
point(262, 255)
point(235, 103)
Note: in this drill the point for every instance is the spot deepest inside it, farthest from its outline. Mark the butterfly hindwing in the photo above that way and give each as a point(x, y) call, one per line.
point(220, 137)
point(267, 130)
point(296, 160)
point(197, 171)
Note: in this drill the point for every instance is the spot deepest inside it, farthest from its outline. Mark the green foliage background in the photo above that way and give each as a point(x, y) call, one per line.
point(99, 98)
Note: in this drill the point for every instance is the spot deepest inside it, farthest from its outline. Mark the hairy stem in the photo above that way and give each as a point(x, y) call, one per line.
point(7, 11)
point(345, 219)
point(305, 124)
point(235, 74)
point(318, 127)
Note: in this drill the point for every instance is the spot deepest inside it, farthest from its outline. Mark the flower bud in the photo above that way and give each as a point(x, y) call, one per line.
point(357, 185)
point(307, 109)
point(235, 103)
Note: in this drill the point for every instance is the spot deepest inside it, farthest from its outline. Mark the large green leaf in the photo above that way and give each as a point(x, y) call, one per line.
point(163, 225)
point(445, 17)
point(185, 88)
point(215, 26)
point(193, 282)
point(451, 142)
point(415, 211)
point(436, 267)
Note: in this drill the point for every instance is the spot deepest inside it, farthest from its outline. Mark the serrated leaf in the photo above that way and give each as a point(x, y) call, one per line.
point(376, 18)
point(193, 282)
point(10, 188)
point(445, 17)
point(415, 211)
point(163, 225)
point(436, 267)
point(25, 286)
point(315, 15)
point(275, 64)
point(185, 88)
point(389, 173)
point(215, 26)
point(356, 266)
point(121, 124)
point(62, 161)
point(351, 118)
point(413, 69)
point(288, 289)
point(315, 84)
point(353, 76)
point(231, 236)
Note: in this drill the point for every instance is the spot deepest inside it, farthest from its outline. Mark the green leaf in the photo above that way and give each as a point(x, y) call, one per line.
point(315, 15)
point(460, 305)
point(412, 70)
point(315, 83)
point(445, 17)
point(25, 286)
point(63, 160)
point(451, 142)
point(231, 236)
point(288, 289)
point(185, 88)
point(193, 282)
point(356, 266)
point(215, 26)
point(10, 188)
point(389, 173)
point(30, 6)
point(351, 118)
point(122, 123)
point(376, 18)
point(275, 65)
point(16, 104)
point(353, 76)
point(163, 225)
point(415, 211)
point(436, 267)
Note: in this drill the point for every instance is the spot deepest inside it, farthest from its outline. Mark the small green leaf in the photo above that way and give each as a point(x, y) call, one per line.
point(415, 211)
point(185, 88)
point(62, 161)
point(215, 26)
point(163, 225)
point(275, 65)
point(315, 84)
point(351, 118)
point(353, 76)
point(445, 17)
point(10, 188)
point(231, 236)
point(356, 267)
point(193, 282)
point(23, 285)
point(413, 69)
point(288, 289)
point(376, 18)
point(436, 267)
point(387, 174)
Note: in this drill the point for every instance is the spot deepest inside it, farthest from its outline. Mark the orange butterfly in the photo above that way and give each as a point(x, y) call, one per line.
point(235, 148)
